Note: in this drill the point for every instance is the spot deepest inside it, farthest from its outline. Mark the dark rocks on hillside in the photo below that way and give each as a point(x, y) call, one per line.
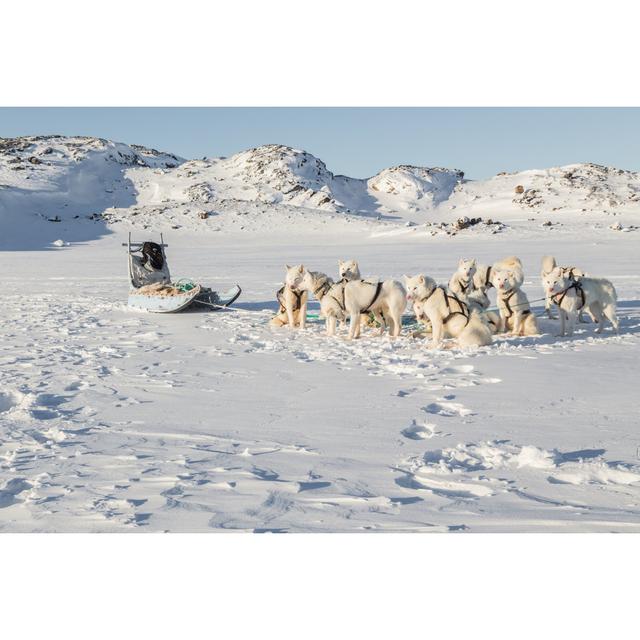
point(530, 198)
point(453, 228)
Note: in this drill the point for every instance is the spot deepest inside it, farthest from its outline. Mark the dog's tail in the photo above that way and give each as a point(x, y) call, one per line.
point(512, 262)
point(548, 264)
point(477, 332)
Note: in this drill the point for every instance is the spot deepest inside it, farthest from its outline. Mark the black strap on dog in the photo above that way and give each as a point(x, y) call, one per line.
point(509, 313)
point(341, 303)
point(506, 303)
point(327, 287)
point(464, 286)
point(579, 290)
point(375, 295)
point(487, 280)
point(423, 300)
point(421, 315)
point(463, 308)
point(296, 293)
point(571, 272)
point(322, 289)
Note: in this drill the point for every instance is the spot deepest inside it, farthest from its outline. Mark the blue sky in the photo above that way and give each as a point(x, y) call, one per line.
point(359, 142)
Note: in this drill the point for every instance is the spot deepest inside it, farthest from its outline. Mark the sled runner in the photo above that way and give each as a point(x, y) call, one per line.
point(152, 289)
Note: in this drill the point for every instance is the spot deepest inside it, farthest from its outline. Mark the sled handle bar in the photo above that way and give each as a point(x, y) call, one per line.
point(139, 244)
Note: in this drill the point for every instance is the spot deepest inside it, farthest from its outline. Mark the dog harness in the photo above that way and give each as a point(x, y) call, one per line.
point(296, 293)
point(463, 307)
point(506, 299)
point(375, 295)
point(464, 285)
point(570, 272)
point(341, 303)
point(325, 289)
point(487, 280)
point(574, 285)
point(322, 289)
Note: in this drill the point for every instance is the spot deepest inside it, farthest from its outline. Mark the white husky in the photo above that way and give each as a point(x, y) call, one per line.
point(461, 282)
point(548, 265)
point(450, 317)
point(484, 273)
point(596, 295)
point(293, 301)
point(513, 304)
point(330, 294)
point(512, 264)
point(385, 300)
point(349, 270)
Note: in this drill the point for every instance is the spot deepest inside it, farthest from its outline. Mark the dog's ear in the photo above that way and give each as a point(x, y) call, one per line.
point(473, 262)
point(287, 267)
point(460, 262)
point(406, 277)
point(301, 268)
point(509, 274)
point(421, 278)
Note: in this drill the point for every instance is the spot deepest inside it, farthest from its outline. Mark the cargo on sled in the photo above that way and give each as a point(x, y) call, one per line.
point(152, 289)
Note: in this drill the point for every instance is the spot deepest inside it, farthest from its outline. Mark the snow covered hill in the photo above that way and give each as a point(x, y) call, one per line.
point(404, 186)
point(275, 174)
point(89, 183)
point(575, 188)
point(56, 179)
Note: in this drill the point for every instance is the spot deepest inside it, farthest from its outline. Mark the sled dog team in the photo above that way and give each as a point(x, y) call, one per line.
point(459, 310)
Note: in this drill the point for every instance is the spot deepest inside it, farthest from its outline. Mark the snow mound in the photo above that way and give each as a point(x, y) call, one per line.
point(410, 184)
point(484, 456)
point(468, 460)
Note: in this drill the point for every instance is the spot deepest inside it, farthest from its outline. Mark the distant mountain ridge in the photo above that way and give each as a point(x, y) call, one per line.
point(76, 176)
